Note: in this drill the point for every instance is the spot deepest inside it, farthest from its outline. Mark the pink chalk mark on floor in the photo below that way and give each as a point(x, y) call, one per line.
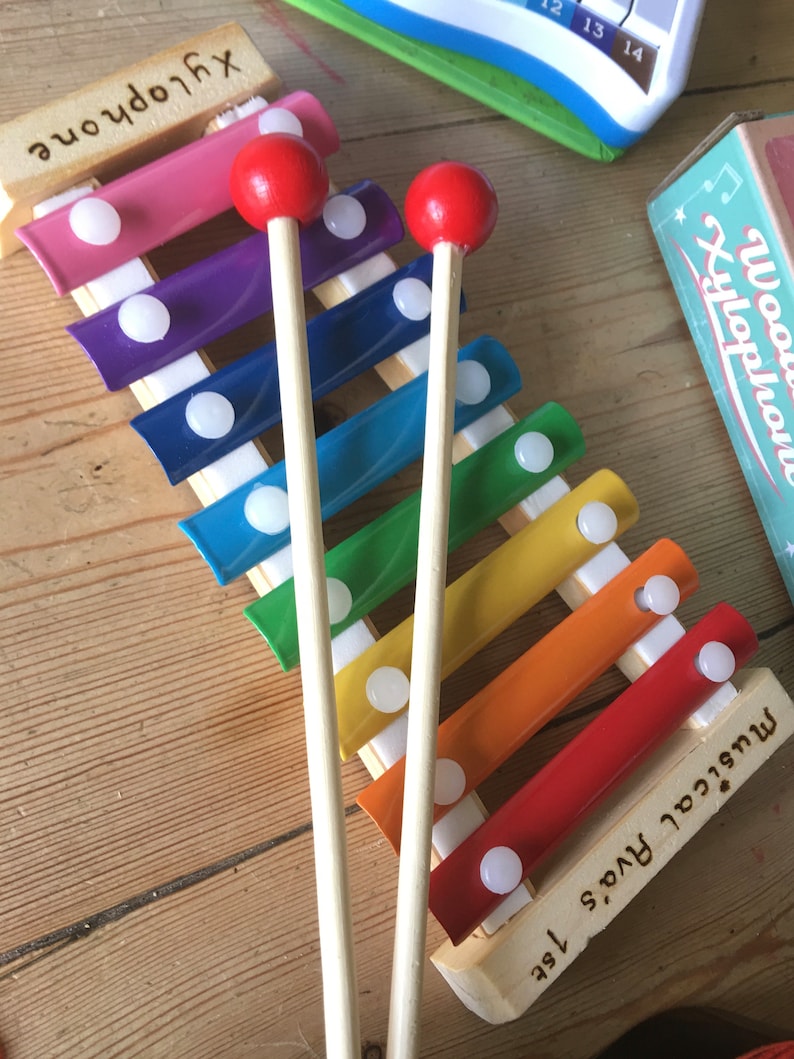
point(281, 21)
point(758, 854)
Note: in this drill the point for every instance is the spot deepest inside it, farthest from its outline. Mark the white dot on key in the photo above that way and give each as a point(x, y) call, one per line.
point(660, 595)
point(144, 318)
point(473, 383)
point(412, 298)
point(266, 508)
point(95, 221)
point(716, 661)
point(533, 451)
point(597, 522)
point(501, 870)
point(450, 782)
point(279, 119)
point(344, 216)
point(340, 600)
point(210, 415)
point(387, 689)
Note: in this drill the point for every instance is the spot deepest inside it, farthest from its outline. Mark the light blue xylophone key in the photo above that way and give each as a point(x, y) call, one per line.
point(249, 524)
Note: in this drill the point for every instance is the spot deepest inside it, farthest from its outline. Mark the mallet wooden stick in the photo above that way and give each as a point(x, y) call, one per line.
point(450, 209)
point(277, 181)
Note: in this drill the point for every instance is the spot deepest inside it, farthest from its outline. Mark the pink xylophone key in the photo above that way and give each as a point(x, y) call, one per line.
point(150, 206)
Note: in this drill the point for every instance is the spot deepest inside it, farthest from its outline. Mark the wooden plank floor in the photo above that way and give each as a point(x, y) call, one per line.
point(156, 883)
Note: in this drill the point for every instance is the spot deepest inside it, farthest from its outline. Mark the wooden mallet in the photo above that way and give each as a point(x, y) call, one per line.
point(277, 181)
point(450, 209)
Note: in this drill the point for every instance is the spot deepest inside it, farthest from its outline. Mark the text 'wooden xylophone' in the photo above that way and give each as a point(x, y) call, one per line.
point(602, 818)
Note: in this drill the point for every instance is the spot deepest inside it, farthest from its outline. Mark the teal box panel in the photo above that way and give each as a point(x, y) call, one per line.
point(723, 223)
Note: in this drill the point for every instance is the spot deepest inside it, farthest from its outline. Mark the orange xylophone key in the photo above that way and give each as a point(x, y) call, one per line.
point(493, 724)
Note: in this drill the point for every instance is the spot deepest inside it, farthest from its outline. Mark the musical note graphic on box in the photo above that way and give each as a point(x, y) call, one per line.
point(726, 184)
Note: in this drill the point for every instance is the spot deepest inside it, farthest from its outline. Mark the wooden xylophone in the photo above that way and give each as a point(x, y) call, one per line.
point(599, 821)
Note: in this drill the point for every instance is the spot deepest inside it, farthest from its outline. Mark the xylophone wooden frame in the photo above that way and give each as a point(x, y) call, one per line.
point(492, 976)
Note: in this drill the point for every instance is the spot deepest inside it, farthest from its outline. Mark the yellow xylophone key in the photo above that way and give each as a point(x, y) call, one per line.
point(373, 689)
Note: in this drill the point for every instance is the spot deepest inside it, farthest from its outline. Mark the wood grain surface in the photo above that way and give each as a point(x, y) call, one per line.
point(156, 880)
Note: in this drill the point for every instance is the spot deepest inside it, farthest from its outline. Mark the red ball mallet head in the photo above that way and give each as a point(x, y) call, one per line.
point(278, 175)
point(451, 202)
